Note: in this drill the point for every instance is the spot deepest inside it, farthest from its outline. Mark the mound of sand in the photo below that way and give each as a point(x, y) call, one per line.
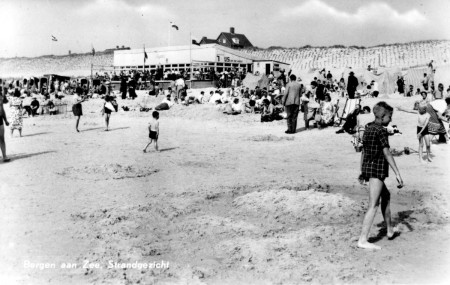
point(265, 138)
point(288, 206)
point(106, 171)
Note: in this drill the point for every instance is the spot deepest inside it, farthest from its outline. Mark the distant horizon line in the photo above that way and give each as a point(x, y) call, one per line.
point(111, 50)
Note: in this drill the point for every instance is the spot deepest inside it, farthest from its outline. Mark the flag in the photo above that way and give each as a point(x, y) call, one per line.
point(93, 51)
point(54, 39)
point(174, 26)
point(145, 55)
point(195, 40)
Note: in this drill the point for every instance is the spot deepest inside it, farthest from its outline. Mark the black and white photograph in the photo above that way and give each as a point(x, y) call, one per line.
point(224, 142)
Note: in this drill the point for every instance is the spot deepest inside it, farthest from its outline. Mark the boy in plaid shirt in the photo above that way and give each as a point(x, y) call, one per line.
point(375, 161)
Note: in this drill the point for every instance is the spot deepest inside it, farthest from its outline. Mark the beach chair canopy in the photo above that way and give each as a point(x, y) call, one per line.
point(349, 107)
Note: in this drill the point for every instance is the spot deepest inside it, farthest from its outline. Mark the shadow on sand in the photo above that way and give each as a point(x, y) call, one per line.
point(37, 134)
point(168, 149)
point(403, 218)
point(91, 129)
point(116, 129)
point(27, 155)
point(299, 130)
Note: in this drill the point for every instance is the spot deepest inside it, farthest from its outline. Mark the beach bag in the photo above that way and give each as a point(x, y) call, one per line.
point(109, 106)
point(317, 117)
point(310, 114)
point(228, 109)
point(162, 106)
point(318, 114)
point(277, 113)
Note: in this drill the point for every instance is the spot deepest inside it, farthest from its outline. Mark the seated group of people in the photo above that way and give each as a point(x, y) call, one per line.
point(265, 101)
point(32, 106)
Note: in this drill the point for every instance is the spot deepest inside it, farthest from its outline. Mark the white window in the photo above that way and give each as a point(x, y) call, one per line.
point(235, 41)
point(224, 41)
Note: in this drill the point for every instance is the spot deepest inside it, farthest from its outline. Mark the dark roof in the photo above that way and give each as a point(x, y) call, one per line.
point(243, 41)
point(208, 41)
point(271, 60)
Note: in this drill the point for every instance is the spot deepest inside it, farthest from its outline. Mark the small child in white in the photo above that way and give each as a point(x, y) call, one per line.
point(422, 131)
point(153, 129)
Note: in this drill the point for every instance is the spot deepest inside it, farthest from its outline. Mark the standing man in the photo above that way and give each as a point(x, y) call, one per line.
point(282, 78)
point(431, 77)
point(330, 77)
point(103, 88)
point(3, 120)
point(123, 87)
point(179, 84)
point(352, 83)
point(320, 91)
point(401, 85)
point(132, 88)
point(291, 102)
point(425, 80)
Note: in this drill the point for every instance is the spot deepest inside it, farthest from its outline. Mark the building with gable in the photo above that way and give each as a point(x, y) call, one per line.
point(231, 40)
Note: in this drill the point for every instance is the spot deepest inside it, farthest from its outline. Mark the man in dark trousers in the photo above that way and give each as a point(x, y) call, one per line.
point(425, 81)
point(291, 102)
point(123, 87)
point(282, 78)
point(320, 91)
point(34, 106)
point(103, 88)
point(132, 88)
point(352, 83)
point(330, 77)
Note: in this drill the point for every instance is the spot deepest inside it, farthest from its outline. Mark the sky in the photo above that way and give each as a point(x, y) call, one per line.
point(27, 25)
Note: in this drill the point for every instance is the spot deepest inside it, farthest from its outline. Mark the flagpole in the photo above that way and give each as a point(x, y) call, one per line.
point(92, 65)
point(168, 41)
point(143, 67)
point(190, 57)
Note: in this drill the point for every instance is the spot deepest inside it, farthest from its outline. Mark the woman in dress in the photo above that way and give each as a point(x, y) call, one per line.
point(77, 108)
point(327, 112)
point(16, 113)
point(11, 90)
point(342, 87)
point(3, 121)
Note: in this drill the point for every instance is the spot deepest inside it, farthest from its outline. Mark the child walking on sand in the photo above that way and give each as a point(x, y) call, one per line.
point(422, 131)
point(375, 161)
point(153, 129)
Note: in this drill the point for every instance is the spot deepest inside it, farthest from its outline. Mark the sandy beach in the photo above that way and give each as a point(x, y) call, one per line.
point(228, 200)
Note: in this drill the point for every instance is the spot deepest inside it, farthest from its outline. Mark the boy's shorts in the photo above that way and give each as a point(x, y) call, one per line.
point(366, 177)
point(153, 135)
point(425, 132)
